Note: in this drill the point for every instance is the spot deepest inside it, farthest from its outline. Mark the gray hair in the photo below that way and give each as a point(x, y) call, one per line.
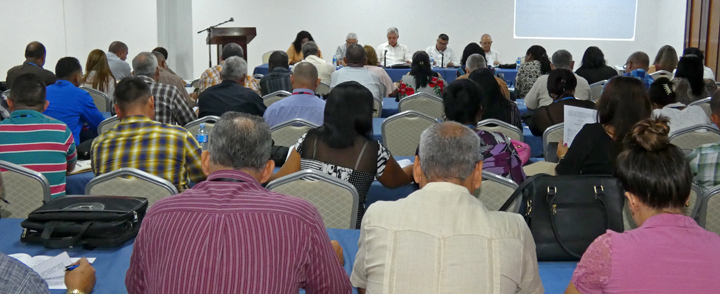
point(351, 36)
point(145, 64)
point(234, 68)
point(475, 62)
point(393, 30)
point(449, 150)
point(562, 59)
point(309, 48)
point(240, 141)
point(232, 49)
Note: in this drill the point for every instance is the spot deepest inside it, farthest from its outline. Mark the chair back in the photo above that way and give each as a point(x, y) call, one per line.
point(498, 126)
point(424, 103)
point(288, 133)
point(693, 137)
point(552, 137)
point(24, 190)
point(323, 89)
point(401, 132)
point(102, 102)
point(661, 74)
point(336, 200)
point(709, 211)
point(705, 105)
point(377, 107)
point(108, 124)
point(495, 190)
point(258, 76)
point(6, 94)
point(131, 182)
point(596, 90)
point(194, 126)
point(266, 56)
point(276, 96)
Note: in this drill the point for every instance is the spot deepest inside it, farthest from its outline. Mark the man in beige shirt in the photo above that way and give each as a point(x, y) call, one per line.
point(441, 239)
point(539, 95)
point(325, 69)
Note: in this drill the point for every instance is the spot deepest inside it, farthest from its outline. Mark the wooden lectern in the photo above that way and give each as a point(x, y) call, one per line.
point(224, 36)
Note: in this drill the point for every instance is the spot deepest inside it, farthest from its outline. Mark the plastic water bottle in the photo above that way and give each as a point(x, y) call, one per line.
point(335, 60)
point(519, 60)
point(432, 61)
point(202, 136)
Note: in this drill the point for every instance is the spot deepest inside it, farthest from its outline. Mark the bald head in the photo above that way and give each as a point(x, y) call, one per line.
point(305, 76)
point(638, 60)
point(35, 53)
point(119, 48)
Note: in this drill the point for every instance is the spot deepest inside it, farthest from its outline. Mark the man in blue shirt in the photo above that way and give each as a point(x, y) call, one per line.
point(70, 104)
point(303, 103)
point(637, 66)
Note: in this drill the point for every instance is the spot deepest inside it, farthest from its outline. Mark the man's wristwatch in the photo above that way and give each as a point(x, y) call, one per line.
point(76, 291)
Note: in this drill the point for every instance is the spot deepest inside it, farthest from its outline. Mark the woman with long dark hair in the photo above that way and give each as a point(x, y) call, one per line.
point(495, 105)
point(536, 64)
point(689, 83)
point(294, 53)
point(561, 85)
point(343, 146)
point(421, 79)
point(97, 73)
point(470, 49)
point(594, 67)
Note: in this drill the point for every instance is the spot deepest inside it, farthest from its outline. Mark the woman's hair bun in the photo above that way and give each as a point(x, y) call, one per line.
point(650, 134)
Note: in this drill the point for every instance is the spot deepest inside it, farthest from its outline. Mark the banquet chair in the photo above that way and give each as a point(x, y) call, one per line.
point(401, 132)
point(194, 126)
point(102, 102)
point(195, 84)
point(288, 133)
point(709, 211)
point(596, 90)
point(551, 138)
point(131, 182)
point(258, 76)
point(336, 200)
point(276, 96)
point(108, 124)
point(377, 107)
point(24, 190)
point(424, 103)
point(498, 126)
point(6, 94)
point(693, 137)
point(266, 56)
point(495, 190)
point(705, 105)
point(661, 74)
point(322, 89)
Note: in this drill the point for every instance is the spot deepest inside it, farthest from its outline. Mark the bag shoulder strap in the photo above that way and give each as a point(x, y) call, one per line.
point(519, 190)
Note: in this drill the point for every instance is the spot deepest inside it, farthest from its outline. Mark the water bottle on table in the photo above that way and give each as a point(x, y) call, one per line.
point(202, 136)
point(432, 61)
point(335, 59)
point(519, 60)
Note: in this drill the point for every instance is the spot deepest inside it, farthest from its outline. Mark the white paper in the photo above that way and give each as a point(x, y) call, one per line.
point(575, 119)
point(51, 269)
point(404, 162)
point(30, 261)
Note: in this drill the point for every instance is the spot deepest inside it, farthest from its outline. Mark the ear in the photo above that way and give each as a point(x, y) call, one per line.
point(11, 105)
point(477, 175)
point(714, 118)
point(267, 172)
point(552, 66)
point(632, 200)
point(345, 60)
point(118, 111)
point(292, 78)
point(205, 162)
point(318, 82)
point(418, 174)
point(47, 103)
point(572, 65)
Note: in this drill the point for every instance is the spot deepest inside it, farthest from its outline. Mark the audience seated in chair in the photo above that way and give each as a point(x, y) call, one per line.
point(278, 79)
point(594, 67)
point(536, 64)
point(636, 66)
point(482, 242)
point(303, 103)
point(539, 95)
point(71, 105)
point(140, 142)
point(30, 139)
point(689, 84)
point(212, 77)
point(34, 61)
point(476, 62)
point(116, 56)
point(170, 106)
point(294, 52)
point(19, 278)
point(356, 71)
point(98, 75)
point(665, 103)
point(666, 59)
point(230, 95)
point(421, 79)
point(311, 52)
point(708, 73)
point(168, 78)
point(704, 161)
point(623, 103)
point(668, 249)
point(495, 105)
point(232, 221)
point(561, 85)
point(343, 147)
point(371, 65)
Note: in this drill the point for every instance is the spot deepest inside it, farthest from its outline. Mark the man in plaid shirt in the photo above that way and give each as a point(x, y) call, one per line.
point(705, 160)
point(138, 141)
point(211, 76)
point(170, 106)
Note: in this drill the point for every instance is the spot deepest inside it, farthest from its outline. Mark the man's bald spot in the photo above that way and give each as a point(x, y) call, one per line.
point(641, 59)
point(485, 37)
point(34, 51)
point(306, 74)
point(451, 130)
point(118, 47)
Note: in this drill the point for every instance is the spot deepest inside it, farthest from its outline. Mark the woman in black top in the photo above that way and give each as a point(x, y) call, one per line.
point(561, 85)
point(470, 49)
point(495, 105)
point(623, 103)
point(593, 67)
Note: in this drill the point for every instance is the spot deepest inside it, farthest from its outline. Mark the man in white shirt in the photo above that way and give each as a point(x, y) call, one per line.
point(440, 53)
point(356, 71)
point(325, 69)
point(492, 57)
point(116, 56)
point(340, 52)
point(539, 95)
point(442, 239)
point(392, 53)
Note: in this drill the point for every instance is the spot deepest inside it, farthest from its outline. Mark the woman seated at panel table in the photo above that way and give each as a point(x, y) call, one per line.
point(594, 68)
point(669, 252)
point(536, 64)
point(294, 53)
point(689, 82)
point(372, 60)
point(623, 103)
point(98, 75)
point(421, 79)
point(464, 102)
point(495, 105)
point(470, 49)
point(343, 146)
point(665, 104)
point(561, 85)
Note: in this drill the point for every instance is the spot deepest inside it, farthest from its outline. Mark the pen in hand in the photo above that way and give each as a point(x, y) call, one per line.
point(71, 267)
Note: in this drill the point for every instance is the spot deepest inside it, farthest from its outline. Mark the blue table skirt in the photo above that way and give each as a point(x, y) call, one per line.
point(389, 107)
point(508, 75)
point(395, 74)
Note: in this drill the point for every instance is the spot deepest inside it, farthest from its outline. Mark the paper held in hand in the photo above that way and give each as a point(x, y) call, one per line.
point(51, 269)
point(575, 119)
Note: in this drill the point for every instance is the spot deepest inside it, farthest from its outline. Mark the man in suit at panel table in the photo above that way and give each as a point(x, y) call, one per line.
point(356, 71)
point(539, 95)
point(34, 61)
point(231, 95)
point(303, 103)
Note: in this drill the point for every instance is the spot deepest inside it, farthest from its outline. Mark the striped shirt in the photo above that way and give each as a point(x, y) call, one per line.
point(170, 106)
point(167, 151)
point(230, 235)
point(32, 140)
point(211, 77)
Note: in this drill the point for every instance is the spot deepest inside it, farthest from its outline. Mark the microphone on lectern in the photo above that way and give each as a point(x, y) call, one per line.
point(232, 19)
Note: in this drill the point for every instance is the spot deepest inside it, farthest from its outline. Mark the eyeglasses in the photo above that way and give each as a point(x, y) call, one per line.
point(486, 43)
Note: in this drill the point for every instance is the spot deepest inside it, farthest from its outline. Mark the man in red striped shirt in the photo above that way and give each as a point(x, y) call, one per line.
point(32, 140)
point(230, 235)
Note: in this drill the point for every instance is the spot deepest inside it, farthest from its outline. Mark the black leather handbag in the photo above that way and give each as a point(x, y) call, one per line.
point(88, 221)
point(567, 213)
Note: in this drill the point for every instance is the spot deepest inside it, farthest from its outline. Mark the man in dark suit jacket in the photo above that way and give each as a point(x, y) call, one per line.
point(34, 61)
point(231, 94)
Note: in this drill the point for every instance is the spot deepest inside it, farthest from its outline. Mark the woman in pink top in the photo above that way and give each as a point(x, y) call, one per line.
point(669, 252)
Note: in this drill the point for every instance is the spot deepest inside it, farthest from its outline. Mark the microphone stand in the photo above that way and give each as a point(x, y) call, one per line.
point(208, 30)
point(385, 59)
point(442, 59)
